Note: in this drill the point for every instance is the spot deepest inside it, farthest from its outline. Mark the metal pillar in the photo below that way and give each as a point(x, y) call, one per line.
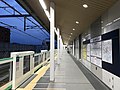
point(52, 24)
point(58, 45)
point(73, 49)
point(10, 72)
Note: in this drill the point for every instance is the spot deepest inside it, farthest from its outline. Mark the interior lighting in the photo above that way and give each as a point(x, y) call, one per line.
point(43, 4)
point(73, 29)
point(77, 22)
point(47, 14)
point(44, 8)
point(85, 5)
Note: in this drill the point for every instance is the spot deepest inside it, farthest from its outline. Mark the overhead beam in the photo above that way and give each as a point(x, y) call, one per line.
point(11, 7)
point(31, 12)
point(24, 23)
point(10, 16)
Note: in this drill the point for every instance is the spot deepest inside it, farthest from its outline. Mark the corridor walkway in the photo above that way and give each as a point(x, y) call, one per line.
point(68, 76)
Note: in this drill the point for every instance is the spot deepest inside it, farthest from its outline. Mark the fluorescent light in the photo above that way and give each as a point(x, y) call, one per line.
point(44, 8)
point(43, 4)
point(73, 29)
point(47, 14)
point(71, 33)
point(85, 5)
point(77, 22)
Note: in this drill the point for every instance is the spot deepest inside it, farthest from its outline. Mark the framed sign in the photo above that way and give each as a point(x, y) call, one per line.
point(107, 51)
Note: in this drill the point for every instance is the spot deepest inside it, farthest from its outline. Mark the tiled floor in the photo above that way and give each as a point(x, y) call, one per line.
point(74, 79)
point(68, 76)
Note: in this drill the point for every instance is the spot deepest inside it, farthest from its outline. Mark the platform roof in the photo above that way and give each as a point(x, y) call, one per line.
point(68, 12)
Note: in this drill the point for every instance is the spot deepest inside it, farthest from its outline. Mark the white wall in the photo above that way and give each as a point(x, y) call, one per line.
point(109, 17)
point(110, 21)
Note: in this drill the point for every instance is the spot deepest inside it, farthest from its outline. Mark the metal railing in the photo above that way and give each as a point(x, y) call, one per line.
point(15, 70)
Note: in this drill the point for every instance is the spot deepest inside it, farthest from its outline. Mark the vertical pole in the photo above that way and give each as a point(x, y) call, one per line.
point(14, 73)
point(10, 71)
point(73, 48)
point(58, 45)
point(24, 23)
point(52, 22)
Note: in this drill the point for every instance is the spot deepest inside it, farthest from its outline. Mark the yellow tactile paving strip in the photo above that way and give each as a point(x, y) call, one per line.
point(40, 73)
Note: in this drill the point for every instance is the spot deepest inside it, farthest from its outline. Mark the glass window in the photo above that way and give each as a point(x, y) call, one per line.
point(4, 74)
point(36, 61)
point(26, 64)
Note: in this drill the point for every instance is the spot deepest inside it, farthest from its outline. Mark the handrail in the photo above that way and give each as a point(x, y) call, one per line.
point(43, 58)
point(4, 59)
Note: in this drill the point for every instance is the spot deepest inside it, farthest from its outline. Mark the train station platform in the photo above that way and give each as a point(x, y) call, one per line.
point(83, 35)
point(69, 75)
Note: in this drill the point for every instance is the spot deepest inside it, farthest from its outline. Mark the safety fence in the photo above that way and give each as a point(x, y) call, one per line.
point(17, 69)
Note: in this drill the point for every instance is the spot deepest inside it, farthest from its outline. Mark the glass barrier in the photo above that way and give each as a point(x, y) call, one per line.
point(20, 67)
point(5, 71)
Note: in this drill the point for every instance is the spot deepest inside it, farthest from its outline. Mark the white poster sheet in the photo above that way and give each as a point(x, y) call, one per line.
point(96, 61)
point(96, 49)
point(88, 52)
point(107, 51)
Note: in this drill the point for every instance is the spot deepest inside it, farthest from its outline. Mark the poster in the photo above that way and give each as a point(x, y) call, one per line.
point(96, 49)
point(107, 51)
point(96, 61)
point(88, 52)
point(84, 50)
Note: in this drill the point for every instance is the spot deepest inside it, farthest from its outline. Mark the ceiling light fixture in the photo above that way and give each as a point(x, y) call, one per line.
point(77, 22)
point(73, 29)
point(43, 4)
point(47, 14)
point(71, 33)
point(85, 5)
point(44, 8)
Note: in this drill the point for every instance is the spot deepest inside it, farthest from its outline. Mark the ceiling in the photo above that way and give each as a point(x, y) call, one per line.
point(67, 13)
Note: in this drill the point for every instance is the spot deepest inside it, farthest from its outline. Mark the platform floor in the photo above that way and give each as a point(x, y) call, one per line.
point(68, 76)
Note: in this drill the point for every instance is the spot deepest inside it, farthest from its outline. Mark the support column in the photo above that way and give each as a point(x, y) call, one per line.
point(73, 48)
point(10, 71)
point(52, 26)
point(58, 45)
point(61, 47)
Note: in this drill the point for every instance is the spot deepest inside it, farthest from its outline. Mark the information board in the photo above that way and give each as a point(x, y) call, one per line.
point(107, 51)
point(96, 49)
point(88, 52)
point(96, 61)
point(84, 50)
